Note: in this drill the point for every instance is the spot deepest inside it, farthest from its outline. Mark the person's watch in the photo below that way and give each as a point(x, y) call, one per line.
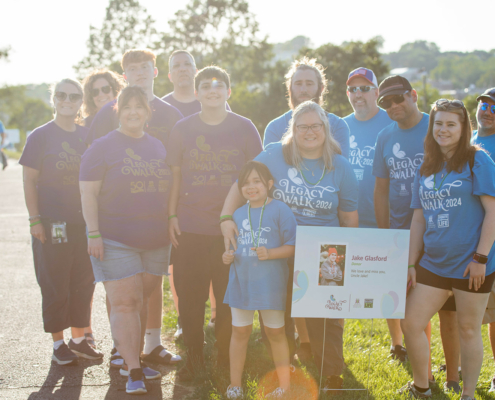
point(480, 258)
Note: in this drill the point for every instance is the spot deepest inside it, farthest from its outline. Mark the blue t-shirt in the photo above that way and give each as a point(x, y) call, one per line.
point(56, 154)
point(454, 215)
point(163, 118)
point(398, 152)
point(186, 109)
point(2, 128)
point(255, 284)
point(210, 157)
point(362, 143)
point(312, 204)
point(487, 142)
point(338, 128)
point(133, 199)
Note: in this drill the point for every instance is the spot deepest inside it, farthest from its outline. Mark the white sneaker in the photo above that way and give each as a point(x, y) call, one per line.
point(234, 392)
point(211, 324)
point(278, 393)
point(178, 332)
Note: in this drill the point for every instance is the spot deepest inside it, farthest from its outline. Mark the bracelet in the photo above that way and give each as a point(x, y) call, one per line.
point(226, 218)
point(94, 236)
point(34, 217)
point(35, 223)
point(172, 216)
point(93, 231)
point(411, 266)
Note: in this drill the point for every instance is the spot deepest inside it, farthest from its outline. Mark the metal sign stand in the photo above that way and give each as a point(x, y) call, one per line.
point(323, 359)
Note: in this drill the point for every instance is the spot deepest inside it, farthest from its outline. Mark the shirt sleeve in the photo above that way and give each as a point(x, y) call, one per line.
point(34, 151)
point(253, 142)
point(483, 175)
point(174, 152)
point(271, 135)
point(103, 123)
point(349, 189)
point(2, 128)
point(93, 164)
point(380, 168)
point(415, 201)
point(288, 226)
point(340, 131)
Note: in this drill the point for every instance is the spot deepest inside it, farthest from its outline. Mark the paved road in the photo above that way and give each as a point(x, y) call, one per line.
point(26, 370)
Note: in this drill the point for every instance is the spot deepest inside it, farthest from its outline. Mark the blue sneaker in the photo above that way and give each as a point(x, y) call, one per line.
point(135, 382)
point(147, 371)
point(64, 356)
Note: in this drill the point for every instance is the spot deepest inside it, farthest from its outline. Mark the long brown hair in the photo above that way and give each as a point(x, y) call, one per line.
point(464, 152)
point(115, 81)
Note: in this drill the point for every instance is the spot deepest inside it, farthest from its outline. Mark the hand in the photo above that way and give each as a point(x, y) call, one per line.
point(229, 232)
point(38, 231)
point(95, 248)
point(262, 253)
point(173, 230)
point(476, 274)
point(411, 278)
point(228, 257)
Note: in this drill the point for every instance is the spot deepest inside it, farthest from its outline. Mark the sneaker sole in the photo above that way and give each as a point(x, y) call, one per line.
point(136, 391)
point(123, 372)
point(84, 355)
point(60, 362)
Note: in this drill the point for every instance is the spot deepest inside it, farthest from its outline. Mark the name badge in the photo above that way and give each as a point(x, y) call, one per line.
point(59, 232)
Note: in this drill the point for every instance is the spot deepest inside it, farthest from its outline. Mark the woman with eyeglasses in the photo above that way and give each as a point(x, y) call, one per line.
point(50, 161)
point(454, 220)
point(100, 87)
point(320, 187)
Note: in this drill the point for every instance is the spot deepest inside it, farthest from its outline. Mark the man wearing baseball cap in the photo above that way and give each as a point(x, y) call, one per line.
point(485, 137)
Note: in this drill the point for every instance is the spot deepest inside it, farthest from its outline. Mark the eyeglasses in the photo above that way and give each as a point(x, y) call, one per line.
point(362, 89)
point(397, 99)
point(445, 103)
point(73, 97)
point(105, 89)
point(486, 106)
point(304, 128)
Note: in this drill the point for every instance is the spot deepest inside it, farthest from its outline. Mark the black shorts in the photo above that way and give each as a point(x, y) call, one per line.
point(428, 278)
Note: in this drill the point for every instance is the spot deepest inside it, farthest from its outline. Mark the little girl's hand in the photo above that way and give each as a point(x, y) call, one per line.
point(228, 257)
point(262, 253)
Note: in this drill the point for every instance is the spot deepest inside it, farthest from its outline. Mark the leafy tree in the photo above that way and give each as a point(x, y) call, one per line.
point(4, 53)
point(471, 105)
point(432, 95)
point(339, 61)
point(419, 54)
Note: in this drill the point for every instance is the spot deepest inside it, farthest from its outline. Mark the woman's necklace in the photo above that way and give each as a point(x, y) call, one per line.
point(441, 183)
point(311, 183)
point(261, 219)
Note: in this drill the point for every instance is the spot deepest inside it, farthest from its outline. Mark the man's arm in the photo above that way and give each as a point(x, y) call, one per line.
point(381, 200)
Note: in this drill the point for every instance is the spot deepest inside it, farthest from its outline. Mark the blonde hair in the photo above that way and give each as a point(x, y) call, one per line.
point(306, 63)
point(292, 154)
point(53, 89)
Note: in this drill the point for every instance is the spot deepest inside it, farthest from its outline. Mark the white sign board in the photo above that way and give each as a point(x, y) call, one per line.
point(350, 273)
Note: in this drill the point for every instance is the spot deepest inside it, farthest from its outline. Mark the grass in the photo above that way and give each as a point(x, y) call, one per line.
point(384, 376)
point(12, 154)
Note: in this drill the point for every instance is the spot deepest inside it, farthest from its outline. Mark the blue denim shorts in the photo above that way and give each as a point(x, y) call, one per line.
point(122, 261)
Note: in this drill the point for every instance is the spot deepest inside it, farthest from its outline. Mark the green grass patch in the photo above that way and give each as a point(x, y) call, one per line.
point(384, 376)
point(12, 154)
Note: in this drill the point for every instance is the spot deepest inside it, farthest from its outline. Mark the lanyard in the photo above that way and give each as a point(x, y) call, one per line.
point(251, 225)
point(311, 183)
point(441, 183)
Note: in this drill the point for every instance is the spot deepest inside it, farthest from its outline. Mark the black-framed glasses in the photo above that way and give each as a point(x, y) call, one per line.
point(73, 97)
point(387, 101)
point(362, 89)
point(486, 106)
point(105, 89)
point(304, 128)
point(446, 103)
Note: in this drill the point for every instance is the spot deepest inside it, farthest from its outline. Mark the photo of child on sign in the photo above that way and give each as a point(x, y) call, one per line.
point(332, 265)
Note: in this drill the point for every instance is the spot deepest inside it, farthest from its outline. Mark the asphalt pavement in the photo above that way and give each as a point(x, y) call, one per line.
point(26, 369)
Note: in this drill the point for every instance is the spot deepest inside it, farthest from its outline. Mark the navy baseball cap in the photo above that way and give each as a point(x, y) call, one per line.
point(489, 94)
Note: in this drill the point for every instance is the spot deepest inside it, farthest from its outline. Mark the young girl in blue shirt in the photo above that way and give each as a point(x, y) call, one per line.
point(259, 274)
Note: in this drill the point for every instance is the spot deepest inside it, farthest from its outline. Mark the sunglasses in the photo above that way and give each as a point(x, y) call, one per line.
point(445, 103)
point(397, 99)
point(105, 89)
point(486, 106)
point(362, 89)
point(73, 97)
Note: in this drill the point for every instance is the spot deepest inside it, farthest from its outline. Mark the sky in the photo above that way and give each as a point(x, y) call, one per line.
point(49, 37)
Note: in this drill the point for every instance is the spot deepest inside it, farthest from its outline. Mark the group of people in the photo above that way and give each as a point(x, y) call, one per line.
point(151, 186)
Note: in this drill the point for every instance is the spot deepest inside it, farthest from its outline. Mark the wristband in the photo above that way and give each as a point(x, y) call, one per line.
point(34, 217)
point(35, 223)
point(226, 218)
point(94, 236)
point(411, 266)
point(172, 216)
point(482, 259)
